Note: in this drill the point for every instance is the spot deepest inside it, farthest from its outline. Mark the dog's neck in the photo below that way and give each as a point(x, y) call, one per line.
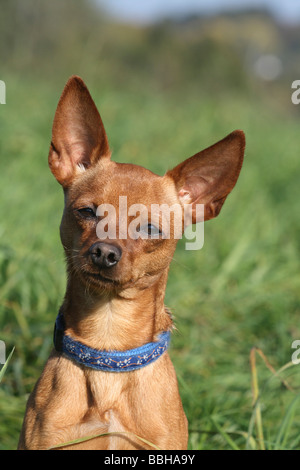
point(115, 321)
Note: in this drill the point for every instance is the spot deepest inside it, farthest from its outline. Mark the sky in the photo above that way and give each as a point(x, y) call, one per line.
point(145, 11)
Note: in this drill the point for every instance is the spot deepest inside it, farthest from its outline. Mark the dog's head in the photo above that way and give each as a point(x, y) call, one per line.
point(121, 222)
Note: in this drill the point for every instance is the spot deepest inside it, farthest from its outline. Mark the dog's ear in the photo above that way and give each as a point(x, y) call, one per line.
point(78, 136)
point(208, 177)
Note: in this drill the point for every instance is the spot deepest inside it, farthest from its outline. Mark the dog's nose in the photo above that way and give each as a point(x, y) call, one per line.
point(105, 255)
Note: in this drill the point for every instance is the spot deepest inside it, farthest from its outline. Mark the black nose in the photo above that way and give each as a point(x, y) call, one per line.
point(105, 255)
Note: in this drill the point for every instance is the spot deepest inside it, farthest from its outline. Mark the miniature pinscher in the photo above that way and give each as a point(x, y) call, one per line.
point(109, 381)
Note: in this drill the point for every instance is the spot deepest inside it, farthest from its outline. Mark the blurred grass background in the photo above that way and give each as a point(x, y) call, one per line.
point(164, 91)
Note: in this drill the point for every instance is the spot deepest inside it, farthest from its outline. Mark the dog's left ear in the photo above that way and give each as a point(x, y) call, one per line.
point(209, 176)
point(78, 136)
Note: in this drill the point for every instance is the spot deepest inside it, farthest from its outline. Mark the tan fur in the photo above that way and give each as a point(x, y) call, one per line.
point(121, 307)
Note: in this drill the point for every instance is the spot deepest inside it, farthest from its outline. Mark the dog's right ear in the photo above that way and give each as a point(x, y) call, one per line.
point(79, 139)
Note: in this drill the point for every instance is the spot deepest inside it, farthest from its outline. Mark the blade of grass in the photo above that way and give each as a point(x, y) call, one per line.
point(20, 317)
point(271, 368)
point(2, 371)
point(286, 425)
point(252, 442)
point(256, 404)
point(224, 434)
point(88, 438)
point(277, 374)
point(256, 415)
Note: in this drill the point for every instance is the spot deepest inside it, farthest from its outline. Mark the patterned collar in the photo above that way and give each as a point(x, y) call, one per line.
point(110, 361)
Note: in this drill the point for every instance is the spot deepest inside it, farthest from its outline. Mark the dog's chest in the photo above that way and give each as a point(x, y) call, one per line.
point(114, 427)
point(112, 399)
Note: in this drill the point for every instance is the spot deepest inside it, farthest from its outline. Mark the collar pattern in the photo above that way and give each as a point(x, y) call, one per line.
point(110, 361)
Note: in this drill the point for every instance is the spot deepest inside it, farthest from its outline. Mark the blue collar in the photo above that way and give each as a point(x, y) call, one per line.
point(110, 361)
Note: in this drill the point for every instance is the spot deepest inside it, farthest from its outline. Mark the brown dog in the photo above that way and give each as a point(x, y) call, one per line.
point(115, 291)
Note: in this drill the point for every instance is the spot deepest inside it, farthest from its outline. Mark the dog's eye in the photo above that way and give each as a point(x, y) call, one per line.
point(87, 212)
point(150, 231)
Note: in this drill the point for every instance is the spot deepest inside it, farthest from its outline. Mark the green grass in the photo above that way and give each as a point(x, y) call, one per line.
point(3, 369)
point(241, 290)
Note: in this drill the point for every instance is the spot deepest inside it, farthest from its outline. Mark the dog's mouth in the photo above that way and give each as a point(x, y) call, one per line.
point(100, 278)
point(101, 281)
